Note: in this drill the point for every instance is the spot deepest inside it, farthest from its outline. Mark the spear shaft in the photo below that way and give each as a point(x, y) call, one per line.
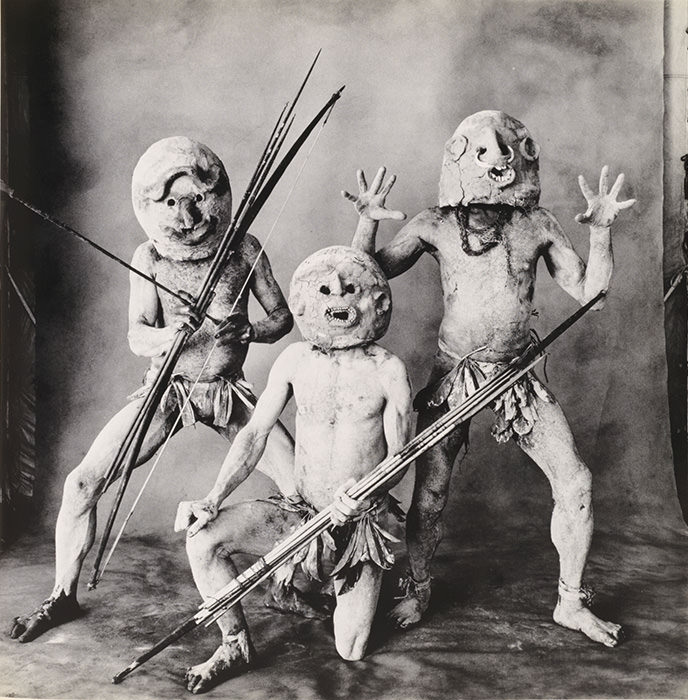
point(379, 477)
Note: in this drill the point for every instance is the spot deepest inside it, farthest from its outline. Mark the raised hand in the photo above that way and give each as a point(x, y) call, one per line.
point(603, 207)
point(370, 203)
point(193, 516)
point(235, 329)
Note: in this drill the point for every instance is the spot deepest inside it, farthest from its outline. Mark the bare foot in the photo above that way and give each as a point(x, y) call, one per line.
point(290, 599)
point(230, 659)
point(411, 607)
point(574, 615)
point(53, 612)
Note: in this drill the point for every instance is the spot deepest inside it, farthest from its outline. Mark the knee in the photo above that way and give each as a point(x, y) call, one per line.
point(79, 490)
point(428, 506)
point(352, 647)
point(204, 547)
point(575, 491)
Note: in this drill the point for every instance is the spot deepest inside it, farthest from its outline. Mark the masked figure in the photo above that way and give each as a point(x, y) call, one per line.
point(353, 403)
point(487, 235)
point(182, 199)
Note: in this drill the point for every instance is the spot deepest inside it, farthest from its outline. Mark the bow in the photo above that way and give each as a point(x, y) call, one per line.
point(260, 186)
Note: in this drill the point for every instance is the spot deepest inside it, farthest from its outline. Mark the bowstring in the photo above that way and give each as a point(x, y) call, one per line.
point(213, 348)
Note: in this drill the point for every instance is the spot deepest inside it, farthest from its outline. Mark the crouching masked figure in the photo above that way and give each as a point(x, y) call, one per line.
point(353, 402)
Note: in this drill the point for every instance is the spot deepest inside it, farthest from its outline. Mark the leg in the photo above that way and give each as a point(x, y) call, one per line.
point(424, 524)
point(353, 616)
point(551, 446)
point(277, 461)
point(76, 522)
point(247, 528)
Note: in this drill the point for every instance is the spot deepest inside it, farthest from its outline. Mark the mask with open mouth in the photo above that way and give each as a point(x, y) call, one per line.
point(340, 298)
point(490, 159)
point(182, 198)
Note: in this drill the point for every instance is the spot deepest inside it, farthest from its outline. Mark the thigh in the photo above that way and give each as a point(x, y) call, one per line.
point(251, 527)
point(105, 447)
point(550, 443)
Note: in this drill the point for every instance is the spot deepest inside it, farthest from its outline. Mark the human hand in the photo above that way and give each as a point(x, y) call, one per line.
point(235, 329)
point(603, 207)
point(344, 507)
point(370, 203)
point(192, 516)
point(183, 316)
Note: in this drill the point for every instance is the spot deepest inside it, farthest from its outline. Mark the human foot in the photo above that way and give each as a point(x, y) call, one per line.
point(289, 599)
point(571, 612)
point(411, 607)
point(231, 658)
point(53, 612)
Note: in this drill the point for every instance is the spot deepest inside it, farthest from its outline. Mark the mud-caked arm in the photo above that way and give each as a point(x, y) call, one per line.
point(149, 335)
point(398, 408)
point(278, 320)
point(246, 450)
point(584, 281)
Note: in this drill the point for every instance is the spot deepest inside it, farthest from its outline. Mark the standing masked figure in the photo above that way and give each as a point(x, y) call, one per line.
point(487, 236)
point(353, 403)
point(182, 199)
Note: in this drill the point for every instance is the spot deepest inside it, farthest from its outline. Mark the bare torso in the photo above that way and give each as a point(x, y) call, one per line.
point(339, 421)
point(488, 295)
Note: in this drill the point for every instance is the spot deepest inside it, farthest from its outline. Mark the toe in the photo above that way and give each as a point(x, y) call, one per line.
point(18, 627)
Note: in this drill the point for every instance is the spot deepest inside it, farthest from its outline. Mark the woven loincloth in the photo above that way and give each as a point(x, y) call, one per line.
point(515, 409)
point(211, 399)
point(351, 545)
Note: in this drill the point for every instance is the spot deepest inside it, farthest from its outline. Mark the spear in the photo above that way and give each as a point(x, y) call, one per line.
point(253, 200)
point(376, 480)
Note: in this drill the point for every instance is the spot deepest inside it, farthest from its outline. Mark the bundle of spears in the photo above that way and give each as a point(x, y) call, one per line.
point(383, 474)
point(261, 184)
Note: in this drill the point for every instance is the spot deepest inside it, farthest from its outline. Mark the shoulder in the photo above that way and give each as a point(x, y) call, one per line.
point(291, 358)
point(249, 247)
point(387, 362)
point(427, 221)
point(543, 220)
point(145, 257)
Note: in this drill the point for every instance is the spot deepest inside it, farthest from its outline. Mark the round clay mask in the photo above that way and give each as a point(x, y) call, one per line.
point(340, 298)
point(490, 159)
point(182, 198)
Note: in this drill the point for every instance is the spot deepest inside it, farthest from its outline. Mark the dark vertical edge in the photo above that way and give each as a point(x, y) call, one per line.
point(675, 239)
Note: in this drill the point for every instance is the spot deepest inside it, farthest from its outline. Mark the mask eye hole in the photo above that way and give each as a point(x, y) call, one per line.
point(349, 289)
point(171, 202)
point(324, 289)
point(199, 197)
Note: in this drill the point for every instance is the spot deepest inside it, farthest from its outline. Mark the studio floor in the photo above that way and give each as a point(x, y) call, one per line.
point(489, 633)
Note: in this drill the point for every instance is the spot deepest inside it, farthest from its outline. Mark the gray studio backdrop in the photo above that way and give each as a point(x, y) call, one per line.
point(585, 77)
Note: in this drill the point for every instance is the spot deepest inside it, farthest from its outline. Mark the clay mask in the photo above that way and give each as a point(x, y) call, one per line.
point(490, 159)
point(181, 197)
point(340, 298)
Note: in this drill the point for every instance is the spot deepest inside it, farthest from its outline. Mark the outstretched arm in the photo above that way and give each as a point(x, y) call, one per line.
point(246, 450)
point(278, 320)
point(583, 281)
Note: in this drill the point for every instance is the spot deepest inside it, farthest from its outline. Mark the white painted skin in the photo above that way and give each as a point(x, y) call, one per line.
point(488, 302)
point(353, 406)
point(154, 320)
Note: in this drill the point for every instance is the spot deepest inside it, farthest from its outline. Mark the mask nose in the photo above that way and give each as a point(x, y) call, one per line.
point(335, 284)
point(493, 150)
point(189, 213)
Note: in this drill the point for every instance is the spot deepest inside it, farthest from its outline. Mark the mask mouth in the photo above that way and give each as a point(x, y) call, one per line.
point(341, 316)
point(502, 176)
point(196, 234)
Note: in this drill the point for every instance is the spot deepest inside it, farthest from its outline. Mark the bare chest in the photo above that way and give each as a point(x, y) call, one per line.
point(189, 276)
